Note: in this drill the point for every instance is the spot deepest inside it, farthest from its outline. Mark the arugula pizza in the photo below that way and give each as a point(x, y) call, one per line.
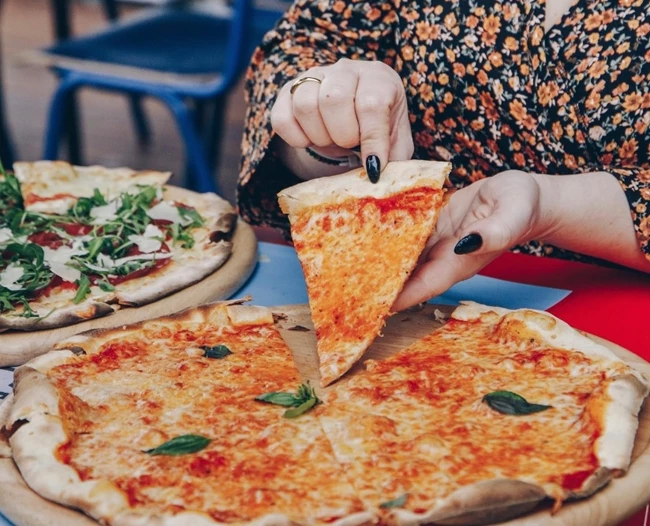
point(78, 248)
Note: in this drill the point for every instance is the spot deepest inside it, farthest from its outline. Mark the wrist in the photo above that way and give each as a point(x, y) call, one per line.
point(549, 203)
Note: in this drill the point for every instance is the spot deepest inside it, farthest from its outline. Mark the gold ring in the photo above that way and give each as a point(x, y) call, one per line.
point(301, 81)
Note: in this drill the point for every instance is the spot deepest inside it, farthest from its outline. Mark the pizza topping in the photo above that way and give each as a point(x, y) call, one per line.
point(58, 261)
point(216, 352)
point(398, 502)
point(83, 288)
point(10, 276)
point(302, 401)
point(105, 213)
point(165, 211)
point(150, 241)
point(509, 403)
point(181, 445)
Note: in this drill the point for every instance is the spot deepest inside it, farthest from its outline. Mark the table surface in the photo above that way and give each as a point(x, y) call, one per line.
point(610, 303)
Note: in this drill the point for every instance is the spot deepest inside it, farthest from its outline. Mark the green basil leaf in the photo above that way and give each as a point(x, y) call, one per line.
point(302, 408)
point(181, 445)
point(302, 401)
point(83, 284)
point(217, 352)
point(283, 399)
point(398, 502)
point(509, 403)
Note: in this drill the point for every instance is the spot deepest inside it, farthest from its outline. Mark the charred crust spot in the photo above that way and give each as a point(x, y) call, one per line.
point(78, 351)
point(8, 432)
point(218, 235)
point(277, 318)
point(298, 328)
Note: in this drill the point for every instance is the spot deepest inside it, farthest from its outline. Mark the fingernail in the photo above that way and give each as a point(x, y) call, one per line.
point(373, 168)
point(469, 244)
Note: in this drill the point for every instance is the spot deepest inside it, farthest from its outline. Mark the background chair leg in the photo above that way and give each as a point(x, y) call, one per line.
point(201, 178)
point(58, 116)
point(142, 128)
point(214, 136)
point(73, 129)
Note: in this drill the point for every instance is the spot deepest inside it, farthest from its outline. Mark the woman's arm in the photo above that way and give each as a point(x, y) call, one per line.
point(589, 214)
point(586, 213)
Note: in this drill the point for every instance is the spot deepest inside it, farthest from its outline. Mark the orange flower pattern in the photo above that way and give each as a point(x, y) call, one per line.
point(487, 89)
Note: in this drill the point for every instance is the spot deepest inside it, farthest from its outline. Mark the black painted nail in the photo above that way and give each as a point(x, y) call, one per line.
point(469, 244)
point(373, 168)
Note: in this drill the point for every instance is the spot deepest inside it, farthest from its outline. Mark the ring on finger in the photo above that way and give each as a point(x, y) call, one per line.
point(299, 82)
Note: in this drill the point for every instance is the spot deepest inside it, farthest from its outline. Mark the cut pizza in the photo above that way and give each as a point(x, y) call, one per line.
point(201, 419)
point(97, 244)
point(358, 243)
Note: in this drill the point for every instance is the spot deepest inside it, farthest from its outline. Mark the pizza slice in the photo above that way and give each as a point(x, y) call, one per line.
point(512, 406)
point(54, 186)
point(357, 243)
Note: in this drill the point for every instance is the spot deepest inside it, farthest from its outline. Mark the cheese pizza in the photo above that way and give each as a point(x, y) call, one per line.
point(360, 241)
point(100, 246)
point(201, 419)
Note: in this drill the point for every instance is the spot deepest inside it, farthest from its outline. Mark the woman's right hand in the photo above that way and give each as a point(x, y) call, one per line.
point(357, 103)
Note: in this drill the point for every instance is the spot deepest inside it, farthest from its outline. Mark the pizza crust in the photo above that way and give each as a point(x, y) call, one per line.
point(397, 176)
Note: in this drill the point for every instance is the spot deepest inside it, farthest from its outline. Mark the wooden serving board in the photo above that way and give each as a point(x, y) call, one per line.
point(18, 347)
point(619, 500)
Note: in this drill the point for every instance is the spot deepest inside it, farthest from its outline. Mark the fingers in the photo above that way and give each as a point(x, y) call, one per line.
point(336, 103)
point(442, 269)
point(284, 123)
point(307, 111)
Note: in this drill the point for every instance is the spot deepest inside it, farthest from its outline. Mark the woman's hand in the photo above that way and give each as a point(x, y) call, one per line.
point(357, 103)
point(479, 223)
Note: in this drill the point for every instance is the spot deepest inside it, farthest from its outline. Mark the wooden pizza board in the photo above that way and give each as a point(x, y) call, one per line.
point(619, 500)
point(18, 347)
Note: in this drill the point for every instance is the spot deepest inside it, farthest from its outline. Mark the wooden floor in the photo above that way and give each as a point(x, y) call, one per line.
point(107, 131)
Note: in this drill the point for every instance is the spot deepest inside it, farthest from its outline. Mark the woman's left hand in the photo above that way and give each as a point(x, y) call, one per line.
point(479, 222)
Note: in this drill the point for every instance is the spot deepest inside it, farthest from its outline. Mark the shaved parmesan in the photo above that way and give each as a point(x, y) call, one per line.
point(58, 261)
point(150, 240)
point(10, 276)
point(142, 257)
point(5, 235)
point(103, 214)
point(166, 211)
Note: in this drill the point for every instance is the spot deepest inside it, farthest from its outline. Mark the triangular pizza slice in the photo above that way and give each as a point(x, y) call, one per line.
point(357, 243)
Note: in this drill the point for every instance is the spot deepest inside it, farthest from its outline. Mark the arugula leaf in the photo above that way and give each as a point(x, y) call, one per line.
point(180, 445)
point(398, 502)
point(302, 401)
point(94, 248)
point(508, 403)
point(83, 284)
point(217, 352)
point(190, 213)
point(105, 285)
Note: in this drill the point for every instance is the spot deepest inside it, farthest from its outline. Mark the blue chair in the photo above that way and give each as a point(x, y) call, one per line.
point(186, 59)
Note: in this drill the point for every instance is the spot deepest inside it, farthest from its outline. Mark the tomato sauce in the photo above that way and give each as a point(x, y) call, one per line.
point(134, 251)
point(33, 198)
point(75, 229)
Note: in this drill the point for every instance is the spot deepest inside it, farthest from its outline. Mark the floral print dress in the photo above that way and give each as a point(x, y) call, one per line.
point(487, 89)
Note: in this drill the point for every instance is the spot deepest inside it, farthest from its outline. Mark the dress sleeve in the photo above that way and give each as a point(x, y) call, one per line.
point(312, 33)
point(635, 182)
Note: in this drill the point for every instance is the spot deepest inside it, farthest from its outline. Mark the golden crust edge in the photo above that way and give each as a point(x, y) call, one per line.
point(398, 176)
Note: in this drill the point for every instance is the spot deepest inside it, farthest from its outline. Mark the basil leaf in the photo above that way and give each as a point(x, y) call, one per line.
point(398, 502)
point(83, 289)
point(509, 403)
point(217, 352)
point(283, 399)
point(302, 401)
point(302, 408)
point(181, 445)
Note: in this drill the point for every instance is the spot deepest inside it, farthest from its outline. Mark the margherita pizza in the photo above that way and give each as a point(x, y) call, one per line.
point(78, 243)
point(201, 419)
point(360, 241)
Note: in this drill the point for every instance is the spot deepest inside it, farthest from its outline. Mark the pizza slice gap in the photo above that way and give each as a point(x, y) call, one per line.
point(358, 243)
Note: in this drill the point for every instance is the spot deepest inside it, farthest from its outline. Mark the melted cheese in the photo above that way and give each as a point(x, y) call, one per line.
point(165, 211)
point(150, 240)
point(356, 256)
point(139, 391)
point(433, 391)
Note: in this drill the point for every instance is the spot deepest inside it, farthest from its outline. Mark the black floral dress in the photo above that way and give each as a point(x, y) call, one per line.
point(487, 89)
